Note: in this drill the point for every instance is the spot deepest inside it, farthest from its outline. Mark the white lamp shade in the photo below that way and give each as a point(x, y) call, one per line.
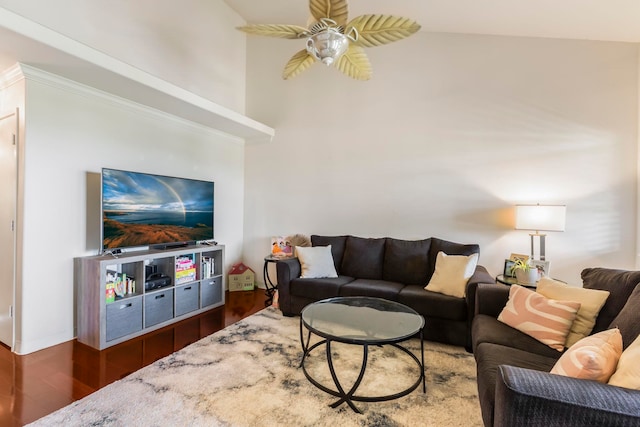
point(540, 217)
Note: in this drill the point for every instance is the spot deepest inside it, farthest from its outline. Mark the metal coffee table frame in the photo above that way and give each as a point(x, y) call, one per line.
point(349, 396)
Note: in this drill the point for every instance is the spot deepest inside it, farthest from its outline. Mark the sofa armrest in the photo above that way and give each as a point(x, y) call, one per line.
point(287, 270)
point(481, 275)
point(491, 299)
point(525, 397)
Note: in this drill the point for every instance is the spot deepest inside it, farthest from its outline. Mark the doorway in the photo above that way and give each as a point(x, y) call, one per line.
point(8, 208)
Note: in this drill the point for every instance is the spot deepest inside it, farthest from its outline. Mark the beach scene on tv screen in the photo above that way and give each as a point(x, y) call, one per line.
point(142, 209)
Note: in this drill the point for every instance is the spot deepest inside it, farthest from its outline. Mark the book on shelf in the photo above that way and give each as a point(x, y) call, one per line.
point(208, 267)
point(118, 285)
point(185, 269)
point(184, 276)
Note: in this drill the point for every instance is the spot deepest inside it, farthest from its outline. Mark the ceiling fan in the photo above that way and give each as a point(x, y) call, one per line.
point(333, 40)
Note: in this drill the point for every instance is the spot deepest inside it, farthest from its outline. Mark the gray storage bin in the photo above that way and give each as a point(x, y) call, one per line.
point(187, 298)
point(124, 317)
point(158, 307)
point(211, 292)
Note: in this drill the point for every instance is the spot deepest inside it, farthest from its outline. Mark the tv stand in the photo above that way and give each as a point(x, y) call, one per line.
point(114, 306)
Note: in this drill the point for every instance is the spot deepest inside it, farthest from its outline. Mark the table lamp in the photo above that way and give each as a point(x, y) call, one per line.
point(540, 218)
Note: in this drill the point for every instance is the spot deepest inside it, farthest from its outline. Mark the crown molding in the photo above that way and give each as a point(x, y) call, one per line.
point(11, 76)
point(33, 74)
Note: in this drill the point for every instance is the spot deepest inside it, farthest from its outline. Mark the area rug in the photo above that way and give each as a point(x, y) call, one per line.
point(248, 374)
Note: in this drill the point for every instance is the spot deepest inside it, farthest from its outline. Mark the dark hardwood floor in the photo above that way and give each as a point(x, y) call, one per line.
point(39, 383)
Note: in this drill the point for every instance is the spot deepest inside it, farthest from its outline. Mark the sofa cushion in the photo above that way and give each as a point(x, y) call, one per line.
point(316, 262)
point(452, 273)
point(489, 357)
point(549, 321)
point(628, 370)
point(337, 244)
point(372, 288)
point(620, 284)
point(592, 358)
point(406, 261)
point(591, 301)
point(433, 304)
point(450, 248)
point(318, 289)
point(488, 329)
point(628, 320)
point(363, 258)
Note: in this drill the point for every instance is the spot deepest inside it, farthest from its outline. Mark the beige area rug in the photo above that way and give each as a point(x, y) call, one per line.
point(248, 375)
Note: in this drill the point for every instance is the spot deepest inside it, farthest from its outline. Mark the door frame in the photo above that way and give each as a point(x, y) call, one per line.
point(14, 247)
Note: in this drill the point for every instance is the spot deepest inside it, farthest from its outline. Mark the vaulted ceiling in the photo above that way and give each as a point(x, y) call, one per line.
point(611, 20)
point(31, 41)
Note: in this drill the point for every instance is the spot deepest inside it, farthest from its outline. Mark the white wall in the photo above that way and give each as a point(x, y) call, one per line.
point(72, 132)
point(450, 133)
point(190, 43)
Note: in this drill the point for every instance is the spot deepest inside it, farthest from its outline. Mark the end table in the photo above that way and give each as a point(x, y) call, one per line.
point(271, 287)
point(506, 280)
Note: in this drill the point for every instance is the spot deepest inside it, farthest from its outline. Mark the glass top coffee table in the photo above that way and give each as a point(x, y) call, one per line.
point(362, 321)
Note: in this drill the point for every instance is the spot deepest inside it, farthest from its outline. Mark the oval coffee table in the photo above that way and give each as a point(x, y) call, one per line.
point(362, 321)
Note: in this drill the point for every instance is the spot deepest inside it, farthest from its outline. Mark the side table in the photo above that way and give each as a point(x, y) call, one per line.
point(505, 280)
point(271, 287)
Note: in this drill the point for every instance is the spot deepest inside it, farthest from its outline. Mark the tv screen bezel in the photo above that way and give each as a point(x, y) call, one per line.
point(163, 245)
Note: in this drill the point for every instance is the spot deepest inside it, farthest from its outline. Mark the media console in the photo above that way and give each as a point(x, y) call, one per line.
point(139, 292)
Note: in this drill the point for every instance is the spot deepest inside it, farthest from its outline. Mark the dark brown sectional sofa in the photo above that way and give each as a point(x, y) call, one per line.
point(389, 268)
point(514, 384)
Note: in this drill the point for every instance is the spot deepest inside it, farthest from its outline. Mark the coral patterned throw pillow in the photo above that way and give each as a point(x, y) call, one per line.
point(547, 320)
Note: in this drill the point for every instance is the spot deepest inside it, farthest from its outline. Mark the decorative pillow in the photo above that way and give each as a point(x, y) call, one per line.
point(591, 301)
point(316, 262)
point(546, 320)
point(337, 243)
point(452, 273)
point(592, 358)
point(627, 373)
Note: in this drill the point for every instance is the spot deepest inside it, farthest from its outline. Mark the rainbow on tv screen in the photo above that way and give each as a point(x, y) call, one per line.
point(141, 209)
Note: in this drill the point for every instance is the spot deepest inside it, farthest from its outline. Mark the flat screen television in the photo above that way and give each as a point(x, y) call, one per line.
point(141, 209)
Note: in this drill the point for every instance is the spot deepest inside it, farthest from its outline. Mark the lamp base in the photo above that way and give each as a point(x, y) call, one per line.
point(542, 245)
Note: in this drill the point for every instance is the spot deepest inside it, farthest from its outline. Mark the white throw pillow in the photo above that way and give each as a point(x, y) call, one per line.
point(591, 301)
point(628, 370)
point(452, 273)
point(316, 262)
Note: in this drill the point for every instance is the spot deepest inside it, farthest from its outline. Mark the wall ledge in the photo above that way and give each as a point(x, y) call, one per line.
point(60, 55)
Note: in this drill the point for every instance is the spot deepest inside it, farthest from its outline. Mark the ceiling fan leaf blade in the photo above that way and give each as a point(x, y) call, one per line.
point(355, 63)
point(282, 31)
point(376, 30)
point(297, 64)
point(338, 10)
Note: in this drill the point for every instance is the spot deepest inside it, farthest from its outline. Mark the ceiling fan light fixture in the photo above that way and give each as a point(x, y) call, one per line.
point(334, 40)
point(327, 45)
